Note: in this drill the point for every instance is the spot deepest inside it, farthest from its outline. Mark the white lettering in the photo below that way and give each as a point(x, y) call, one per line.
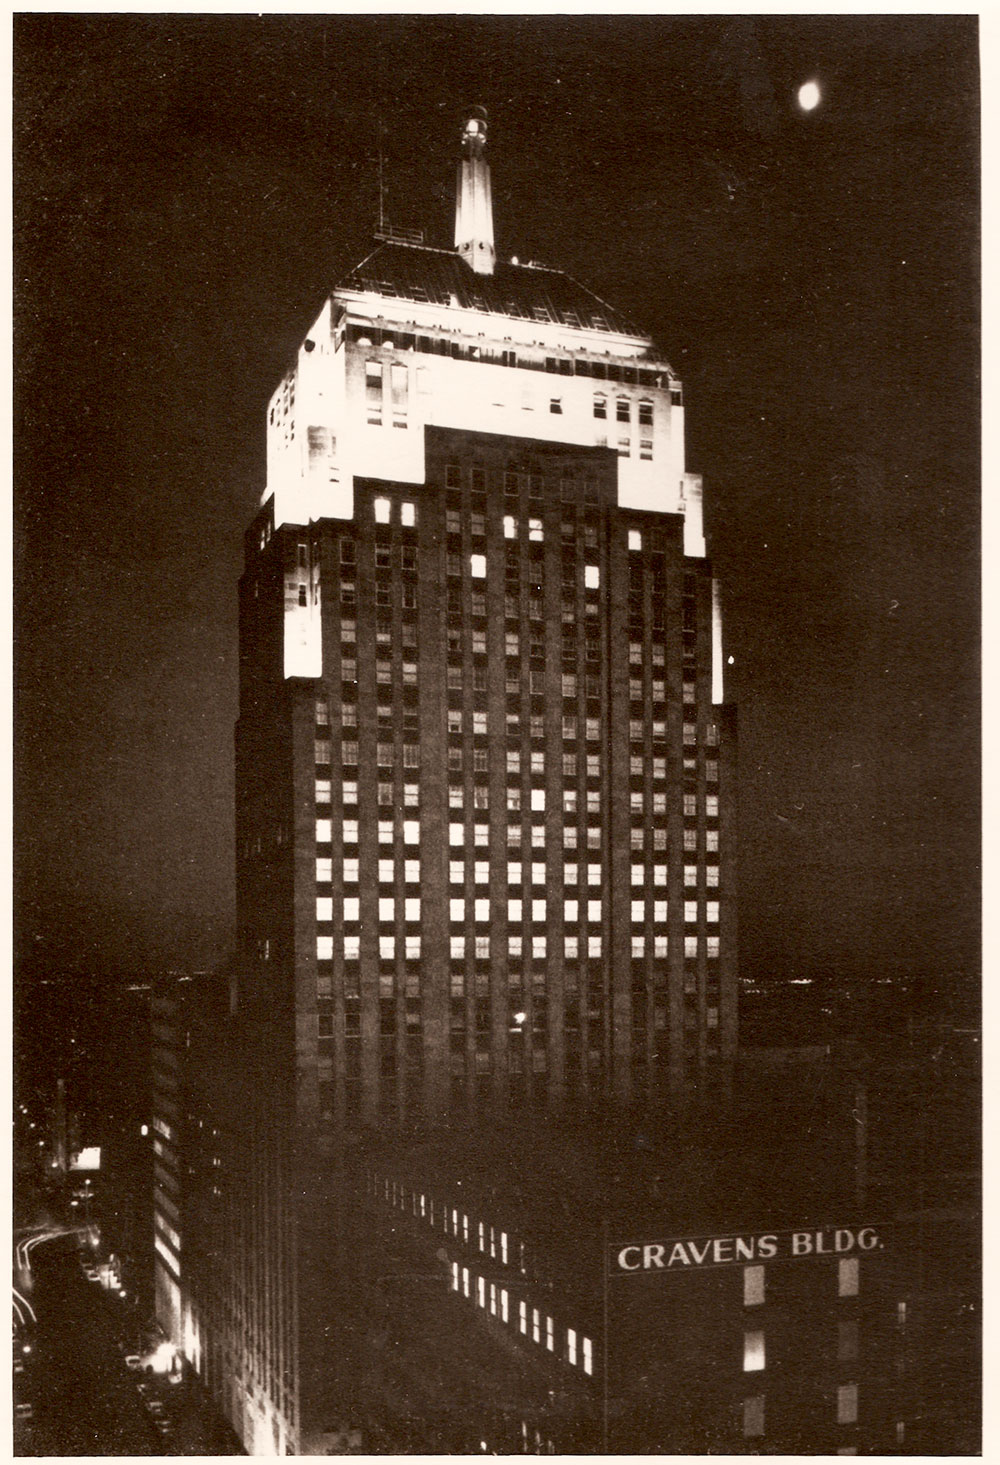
point(843, 1240)
point(652, 1256)
point(801, 1243)
point(767, 1246)
point(746, 1250)
point(699, 1256)
point(678, 1254)
point(629, 1266)
point(868, 1238)
point(719, 1252)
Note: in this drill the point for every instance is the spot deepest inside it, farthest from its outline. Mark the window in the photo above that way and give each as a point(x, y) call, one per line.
point(550, 1335)
point(588, 1356)
point(591, 577)
point(600, 407)
point(571, 1345)
point(634, 539)
point(535, 529)
point(623, 409)
point(753, 1351)
point(847, 1404)
point(324, 948)
point(753, 1417)
point(477, 565)
point(847, 1340)
point(848, 1278)
point(645, 414)
point(382, 509)
point(456, 833)
point(351, 908)
point(555, 405)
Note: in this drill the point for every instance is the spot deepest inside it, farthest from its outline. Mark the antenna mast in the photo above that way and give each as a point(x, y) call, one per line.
point(381, 178)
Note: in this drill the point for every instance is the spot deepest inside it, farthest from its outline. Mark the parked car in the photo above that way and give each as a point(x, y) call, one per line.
point(132, 1360)
point(24, 1411)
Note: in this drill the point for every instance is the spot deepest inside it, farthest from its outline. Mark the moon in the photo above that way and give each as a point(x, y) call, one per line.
point(809, 96)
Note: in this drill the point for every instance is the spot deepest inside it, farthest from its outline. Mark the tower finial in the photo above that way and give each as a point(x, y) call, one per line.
point(473, 200)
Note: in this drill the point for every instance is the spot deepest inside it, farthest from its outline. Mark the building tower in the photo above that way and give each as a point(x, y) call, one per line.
point(479, 641)
point(484, 773)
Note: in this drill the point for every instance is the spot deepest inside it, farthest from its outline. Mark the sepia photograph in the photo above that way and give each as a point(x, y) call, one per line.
point(496, 734)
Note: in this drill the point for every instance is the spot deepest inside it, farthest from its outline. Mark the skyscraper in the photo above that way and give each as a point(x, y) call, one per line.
point(484, 784)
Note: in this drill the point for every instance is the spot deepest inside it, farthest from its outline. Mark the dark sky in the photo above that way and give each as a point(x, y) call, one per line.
point(188, 188)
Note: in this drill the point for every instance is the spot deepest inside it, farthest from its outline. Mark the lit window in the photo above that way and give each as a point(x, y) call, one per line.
point(509, 527)
point(571, 1345)
point(538, 944)
point(638, 874)
point(537, 798)
point(351, 908)
point(477, 566)
point(411, 831)
point(753, 1351)
point(456, 833)
point(593, 945)
point(324, 948)
point(411, 908)
point(550, 1335)
point(412, 947)
point(352, 948)
point(324, 908)
point(588, 1356)
point(848, 1278)
point(691, 875)
point(323, 831)
point(382, 508)
point(638, 945)
point(522, 1317)
point(847, 1404)
point(457, 946)
point(535, 529)
point(690, 947)
point(387, 947)
point(350, 830)
point(350, 870)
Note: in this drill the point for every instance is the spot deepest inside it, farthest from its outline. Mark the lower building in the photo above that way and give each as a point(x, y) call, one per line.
point(770, 1287)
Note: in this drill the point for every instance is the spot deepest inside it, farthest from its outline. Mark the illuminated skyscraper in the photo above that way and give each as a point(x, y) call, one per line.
point(484, 770)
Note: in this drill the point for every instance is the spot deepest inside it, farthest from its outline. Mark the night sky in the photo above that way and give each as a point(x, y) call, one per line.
point(188, 189)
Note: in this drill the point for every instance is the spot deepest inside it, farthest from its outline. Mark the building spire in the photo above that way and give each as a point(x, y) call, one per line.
point(473, 200)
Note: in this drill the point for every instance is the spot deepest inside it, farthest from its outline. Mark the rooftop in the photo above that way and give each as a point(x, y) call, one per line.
point(418, 272)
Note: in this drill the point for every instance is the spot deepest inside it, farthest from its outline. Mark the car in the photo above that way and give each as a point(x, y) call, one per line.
point(164, 1426)
point(19, 1365)
point(24, 1411)
point(154, 1406)
point(132, 1360)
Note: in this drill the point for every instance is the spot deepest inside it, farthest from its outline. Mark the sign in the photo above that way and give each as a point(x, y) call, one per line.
point(688, 1254)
